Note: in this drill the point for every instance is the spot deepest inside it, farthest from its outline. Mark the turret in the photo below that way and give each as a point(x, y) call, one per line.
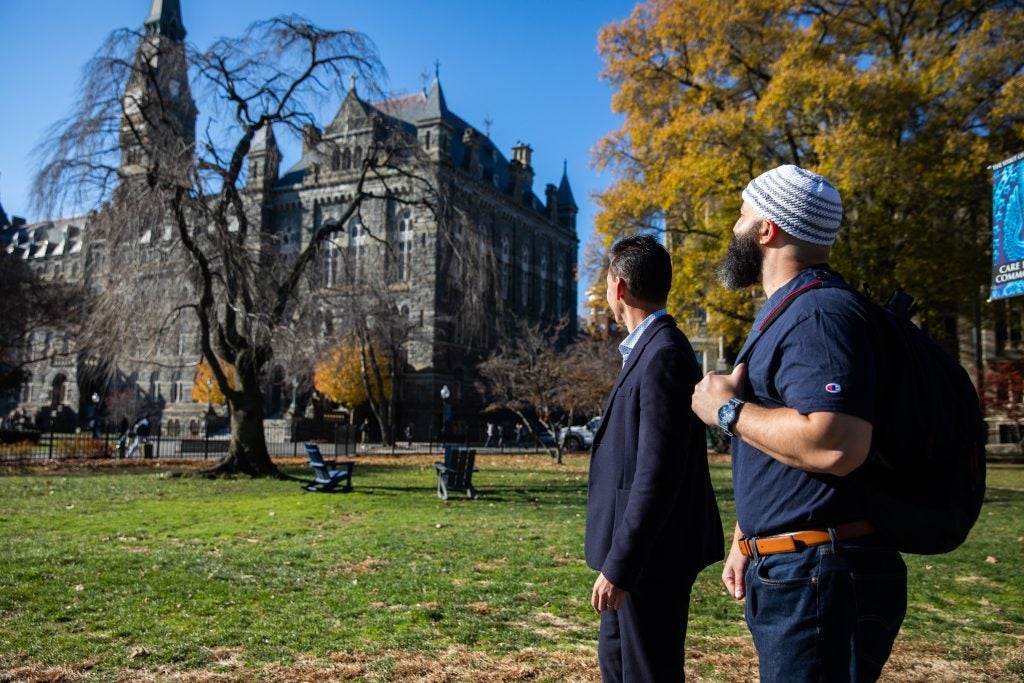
point(158, 124)
point(566, 208)
point(433, 127)
point(264, 160)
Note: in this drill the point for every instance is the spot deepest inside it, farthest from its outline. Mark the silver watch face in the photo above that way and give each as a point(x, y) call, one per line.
point(727, 415)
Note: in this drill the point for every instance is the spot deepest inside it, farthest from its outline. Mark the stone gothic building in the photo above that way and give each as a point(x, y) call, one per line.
point(531, 234)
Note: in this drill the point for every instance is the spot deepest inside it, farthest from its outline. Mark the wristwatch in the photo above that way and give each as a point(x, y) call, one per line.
point(728, 414)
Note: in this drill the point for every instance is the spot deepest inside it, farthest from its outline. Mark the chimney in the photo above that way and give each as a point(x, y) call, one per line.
point(551, 197)
point(521, 153)
point(515, 180)
point(471, 141)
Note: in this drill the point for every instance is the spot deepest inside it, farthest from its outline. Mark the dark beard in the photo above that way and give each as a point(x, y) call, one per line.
point(742, 265)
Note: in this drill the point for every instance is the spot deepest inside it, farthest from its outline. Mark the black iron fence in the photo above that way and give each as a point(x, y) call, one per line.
point(284, 440)
point(34, 445)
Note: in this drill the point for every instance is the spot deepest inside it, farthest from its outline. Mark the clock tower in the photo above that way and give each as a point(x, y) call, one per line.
point(158, 120)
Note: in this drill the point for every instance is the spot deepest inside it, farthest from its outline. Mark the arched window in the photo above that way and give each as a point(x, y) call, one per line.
point(524, 283)
point(357, 247)
point(504, 257)
point(357, 158)
point(59, 393)
point(559, 287)
point(332, 263)
point(346, 159)
point(178, 388)
point(542, 283)
point(335, 160)
point(26, 388)
point(154, 385)
point(405, 242)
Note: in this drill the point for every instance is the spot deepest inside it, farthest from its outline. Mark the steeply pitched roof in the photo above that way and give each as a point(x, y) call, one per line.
point(565, 197)
point(165, 20)
point(263, 139)
point(410, 111)
point(352, 109)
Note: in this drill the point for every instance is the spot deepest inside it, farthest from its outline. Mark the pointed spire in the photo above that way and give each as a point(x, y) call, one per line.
point(565, 197)
point(263, 139)
point(435, 104)
point(165, 20)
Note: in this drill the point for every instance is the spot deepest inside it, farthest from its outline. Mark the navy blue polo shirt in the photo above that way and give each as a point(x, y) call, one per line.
point(817, 356)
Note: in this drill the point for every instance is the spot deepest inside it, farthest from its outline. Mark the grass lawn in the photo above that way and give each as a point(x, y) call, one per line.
point(129, 572)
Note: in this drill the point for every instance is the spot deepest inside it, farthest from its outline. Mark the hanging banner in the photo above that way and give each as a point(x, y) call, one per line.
point(1008, 227)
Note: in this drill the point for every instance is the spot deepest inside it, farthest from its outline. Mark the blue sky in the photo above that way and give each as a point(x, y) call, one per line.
point(530, 67)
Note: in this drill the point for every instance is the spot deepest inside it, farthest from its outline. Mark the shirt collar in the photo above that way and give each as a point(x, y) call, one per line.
point(626, 347)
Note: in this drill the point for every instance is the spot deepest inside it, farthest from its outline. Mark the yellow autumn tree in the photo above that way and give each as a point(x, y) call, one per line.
point(901, 104)
point(340, 376)
point(205, 388)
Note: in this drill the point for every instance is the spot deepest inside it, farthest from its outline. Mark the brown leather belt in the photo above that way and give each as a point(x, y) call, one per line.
point(798, 540)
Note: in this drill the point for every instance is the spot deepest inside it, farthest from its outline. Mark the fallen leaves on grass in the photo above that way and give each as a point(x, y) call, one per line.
point(732, 660)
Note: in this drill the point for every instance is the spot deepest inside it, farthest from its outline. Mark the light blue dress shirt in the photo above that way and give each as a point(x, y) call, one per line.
point(626, 347)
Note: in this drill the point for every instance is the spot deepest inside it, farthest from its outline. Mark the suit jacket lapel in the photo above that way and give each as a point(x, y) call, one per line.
point(631, 362)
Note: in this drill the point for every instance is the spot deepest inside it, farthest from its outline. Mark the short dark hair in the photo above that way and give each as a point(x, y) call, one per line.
point(645, 265)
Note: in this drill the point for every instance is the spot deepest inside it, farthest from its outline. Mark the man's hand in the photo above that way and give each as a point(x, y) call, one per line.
point(606, 597)
point(734, 570)
point(714, 390)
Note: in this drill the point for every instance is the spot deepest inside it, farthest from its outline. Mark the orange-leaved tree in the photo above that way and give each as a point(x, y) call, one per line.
point(902, 105)
point(339, 377)
point(205, 388)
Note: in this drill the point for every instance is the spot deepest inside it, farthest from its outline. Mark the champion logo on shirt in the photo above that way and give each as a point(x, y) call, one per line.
point(833, 388)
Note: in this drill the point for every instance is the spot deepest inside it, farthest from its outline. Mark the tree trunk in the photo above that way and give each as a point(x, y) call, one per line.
point(247, 453)
point(556, 453)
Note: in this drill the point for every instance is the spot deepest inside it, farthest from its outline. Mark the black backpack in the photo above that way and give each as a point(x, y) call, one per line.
point(925, 476)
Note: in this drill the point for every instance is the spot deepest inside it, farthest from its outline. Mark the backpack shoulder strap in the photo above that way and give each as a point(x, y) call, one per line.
point(820, 276)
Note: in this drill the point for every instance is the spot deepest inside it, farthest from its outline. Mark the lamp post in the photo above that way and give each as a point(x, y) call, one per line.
point(446, 411)
point(95, 415)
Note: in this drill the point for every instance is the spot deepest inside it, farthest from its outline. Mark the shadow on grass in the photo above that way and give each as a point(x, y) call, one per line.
point(1002, 496)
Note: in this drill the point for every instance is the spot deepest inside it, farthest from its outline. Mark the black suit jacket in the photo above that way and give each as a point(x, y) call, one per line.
point(651, 510)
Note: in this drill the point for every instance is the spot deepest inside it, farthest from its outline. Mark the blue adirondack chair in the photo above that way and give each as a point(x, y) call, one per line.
point(329, 473)
point(456, 472)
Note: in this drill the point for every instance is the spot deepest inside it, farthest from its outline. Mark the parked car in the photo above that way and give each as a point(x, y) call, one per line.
point(545, 438)
point(578, 437)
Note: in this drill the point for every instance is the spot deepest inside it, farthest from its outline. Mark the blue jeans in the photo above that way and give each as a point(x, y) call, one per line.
point(826, 613)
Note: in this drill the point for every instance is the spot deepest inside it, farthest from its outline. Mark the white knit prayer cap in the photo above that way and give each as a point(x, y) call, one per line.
point(799, 201)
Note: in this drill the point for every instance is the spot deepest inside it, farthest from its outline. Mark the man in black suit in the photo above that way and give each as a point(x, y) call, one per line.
point(652, 519)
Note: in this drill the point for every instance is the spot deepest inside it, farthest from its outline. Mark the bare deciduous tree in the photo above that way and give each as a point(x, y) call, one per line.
point(33, 308)
point(523, 376)
point(589, 367)
point(181, 232)
point(181, 220)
